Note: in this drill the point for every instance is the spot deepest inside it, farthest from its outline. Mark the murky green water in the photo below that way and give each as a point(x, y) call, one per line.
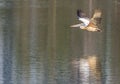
point(37, 45)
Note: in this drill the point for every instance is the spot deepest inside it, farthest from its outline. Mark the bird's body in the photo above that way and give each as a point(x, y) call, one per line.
point(87, 23)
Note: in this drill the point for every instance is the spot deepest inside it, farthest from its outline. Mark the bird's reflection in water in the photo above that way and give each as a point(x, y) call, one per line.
point(84, 69)
point(89, 71)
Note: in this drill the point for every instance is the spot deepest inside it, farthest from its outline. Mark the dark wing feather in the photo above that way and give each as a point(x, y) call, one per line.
point(80, 13)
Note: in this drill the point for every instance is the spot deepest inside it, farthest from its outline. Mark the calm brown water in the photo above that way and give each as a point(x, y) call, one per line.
point(37, 46)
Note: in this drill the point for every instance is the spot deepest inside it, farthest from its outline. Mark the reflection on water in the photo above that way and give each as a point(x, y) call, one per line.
point(84, 69)
point(88, 70)
point(37, 46)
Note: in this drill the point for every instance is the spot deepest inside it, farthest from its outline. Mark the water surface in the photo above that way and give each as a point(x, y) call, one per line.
point(37, 45)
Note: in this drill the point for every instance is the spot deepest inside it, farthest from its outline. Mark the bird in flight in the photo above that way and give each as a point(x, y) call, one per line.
point(89, 24)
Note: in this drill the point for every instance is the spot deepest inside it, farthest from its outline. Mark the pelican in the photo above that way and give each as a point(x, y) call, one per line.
point(89, 24)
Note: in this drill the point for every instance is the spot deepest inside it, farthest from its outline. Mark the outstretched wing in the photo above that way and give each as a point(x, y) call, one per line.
point(96, 18)
point(82, 17)
point(80, 14)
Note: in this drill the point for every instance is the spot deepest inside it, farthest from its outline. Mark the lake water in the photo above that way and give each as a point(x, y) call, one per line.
point(37, 45)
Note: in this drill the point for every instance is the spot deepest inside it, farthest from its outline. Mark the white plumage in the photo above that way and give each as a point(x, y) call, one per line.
point(87, 23)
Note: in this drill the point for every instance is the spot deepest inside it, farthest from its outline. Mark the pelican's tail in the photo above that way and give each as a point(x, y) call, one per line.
point(99, 30)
